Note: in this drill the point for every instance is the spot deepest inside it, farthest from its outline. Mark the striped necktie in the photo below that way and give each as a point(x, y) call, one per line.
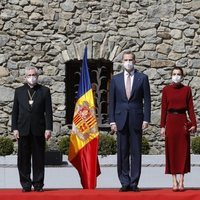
point(128, 86)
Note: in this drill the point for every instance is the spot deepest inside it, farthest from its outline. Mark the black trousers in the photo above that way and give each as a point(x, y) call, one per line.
point(31, 147)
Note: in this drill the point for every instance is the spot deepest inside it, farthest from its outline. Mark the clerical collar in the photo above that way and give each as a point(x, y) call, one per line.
point(33, 87)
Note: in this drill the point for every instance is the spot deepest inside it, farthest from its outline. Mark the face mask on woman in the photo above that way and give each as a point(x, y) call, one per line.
point(176, 78)
point(128, 66)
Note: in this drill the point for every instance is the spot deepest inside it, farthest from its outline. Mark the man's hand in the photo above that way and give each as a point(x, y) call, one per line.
point(113, 129)
point(16, 134)
point(145, 125)
point(47, 135)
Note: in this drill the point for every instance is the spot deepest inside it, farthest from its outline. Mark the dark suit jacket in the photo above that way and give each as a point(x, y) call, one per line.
point(138, 106)
point(36, 118)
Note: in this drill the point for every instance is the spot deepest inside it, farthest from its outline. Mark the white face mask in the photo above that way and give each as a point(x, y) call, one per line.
point(128, 66)
point(177, 78)
point(32, 80)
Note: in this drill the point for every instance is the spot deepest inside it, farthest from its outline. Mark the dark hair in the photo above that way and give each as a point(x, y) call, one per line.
point(178, 68)
point(128, 52)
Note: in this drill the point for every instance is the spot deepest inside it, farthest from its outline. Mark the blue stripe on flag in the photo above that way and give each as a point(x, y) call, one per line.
point(84, 83)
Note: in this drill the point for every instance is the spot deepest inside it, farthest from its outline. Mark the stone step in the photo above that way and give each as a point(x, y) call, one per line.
point(65, 176)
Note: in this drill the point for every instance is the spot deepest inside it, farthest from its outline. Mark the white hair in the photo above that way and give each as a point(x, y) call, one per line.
point(31, 68)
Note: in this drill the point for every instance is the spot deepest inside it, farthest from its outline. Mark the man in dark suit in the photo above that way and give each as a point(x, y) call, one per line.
point(31, 125)
point(129, 114)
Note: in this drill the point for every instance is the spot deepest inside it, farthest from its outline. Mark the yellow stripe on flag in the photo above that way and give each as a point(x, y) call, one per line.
point(84, 128)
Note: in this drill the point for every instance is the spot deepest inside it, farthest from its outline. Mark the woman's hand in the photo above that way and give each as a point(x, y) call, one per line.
point(192, 129)
point(162, 132)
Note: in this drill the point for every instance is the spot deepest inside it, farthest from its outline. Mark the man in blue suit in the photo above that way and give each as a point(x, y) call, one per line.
point(129, 114)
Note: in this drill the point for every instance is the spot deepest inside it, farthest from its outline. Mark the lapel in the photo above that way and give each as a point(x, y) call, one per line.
point(136, 81)
point(25, 98)
point(36, 96)
point(122, 86)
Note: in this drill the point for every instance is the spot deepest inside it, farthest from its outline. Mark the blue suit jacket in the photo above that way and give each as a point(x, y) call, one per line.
point(138, 106)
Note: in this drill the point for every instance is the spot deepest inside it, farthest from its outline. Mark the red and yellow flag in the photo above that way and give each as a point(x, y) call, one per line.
point(83, 151)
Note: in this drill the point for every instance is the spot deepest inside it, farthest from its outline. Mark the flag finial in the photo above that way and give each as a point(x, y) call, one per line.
point(86, 43)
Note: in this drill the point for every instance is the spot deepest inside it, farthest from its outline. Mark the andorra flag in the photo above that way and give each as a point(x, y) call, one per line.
point(83, 150)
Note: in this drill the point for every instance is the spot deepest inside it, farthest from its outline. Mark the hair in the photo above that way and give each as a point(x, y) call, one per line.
point(178, 68)
point(128, 52)
point(31, 68)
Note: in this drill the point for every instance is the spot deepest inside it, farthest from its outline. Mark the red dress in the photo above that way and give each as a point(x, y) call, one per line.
point(175, 100)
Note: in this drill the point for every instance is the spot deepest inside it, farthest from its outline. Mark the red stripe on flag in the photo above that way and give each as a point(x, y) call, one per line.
point(87, 164)
point(91, 124)
point(91, 121)
point(77, 119)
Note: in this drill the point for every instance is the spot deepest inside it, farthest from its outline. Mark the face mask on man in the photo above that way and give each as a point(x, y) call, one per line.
point(32, 80)
point(177, 78)
point(128, 66)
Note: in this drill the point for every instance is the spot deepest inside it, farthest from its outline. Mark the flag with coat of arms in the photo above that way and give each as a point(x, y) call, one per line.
point(84, 137)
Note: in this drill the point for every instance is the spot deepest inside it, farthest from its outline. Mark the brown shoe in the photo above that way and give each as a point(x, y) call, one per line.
point(181, 188)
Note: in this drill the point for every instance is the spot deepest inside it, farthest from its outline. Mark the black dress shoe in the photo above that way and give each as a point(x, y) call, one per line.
point(124, 189)
point(38, 189)
point(26, 189)
point(134, 189)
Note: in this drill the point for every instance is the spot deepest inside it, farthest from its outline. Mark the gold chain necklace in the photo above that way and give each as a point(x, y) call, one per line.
point(31, 98)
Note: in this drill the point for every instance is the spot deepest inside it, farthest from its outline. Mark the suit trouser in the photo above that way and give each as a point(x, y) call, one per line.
point(31, 147)
point(129, 154)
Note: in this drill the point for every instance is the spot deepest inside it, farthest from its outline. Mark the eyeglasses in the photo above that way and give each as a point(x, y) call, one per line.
point(29, 75)
point(130, 60)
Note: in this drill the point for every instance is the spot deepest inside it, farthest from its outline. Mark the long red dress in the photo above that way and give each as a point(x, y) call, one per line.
point(175, 100)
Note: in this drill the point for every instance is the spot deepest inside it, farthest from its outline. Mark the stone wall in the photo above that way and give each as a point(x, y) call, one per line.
point(48, 33)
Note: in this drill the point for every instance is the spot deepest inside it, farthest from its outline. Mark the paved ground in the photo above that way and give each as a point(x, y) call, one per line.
point(66, 176)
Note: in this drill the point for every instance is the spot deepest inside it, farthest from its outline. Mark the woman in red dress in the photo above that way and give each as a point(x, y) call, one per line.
point(177, 104)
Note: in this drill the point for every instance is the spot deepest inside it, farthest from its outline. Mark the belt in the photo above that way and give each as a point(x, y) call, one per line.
point(176, 111)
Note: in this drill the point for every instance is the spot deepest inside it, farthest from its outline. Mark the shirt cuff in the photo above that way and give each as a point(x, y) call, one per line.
point(112, 123)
